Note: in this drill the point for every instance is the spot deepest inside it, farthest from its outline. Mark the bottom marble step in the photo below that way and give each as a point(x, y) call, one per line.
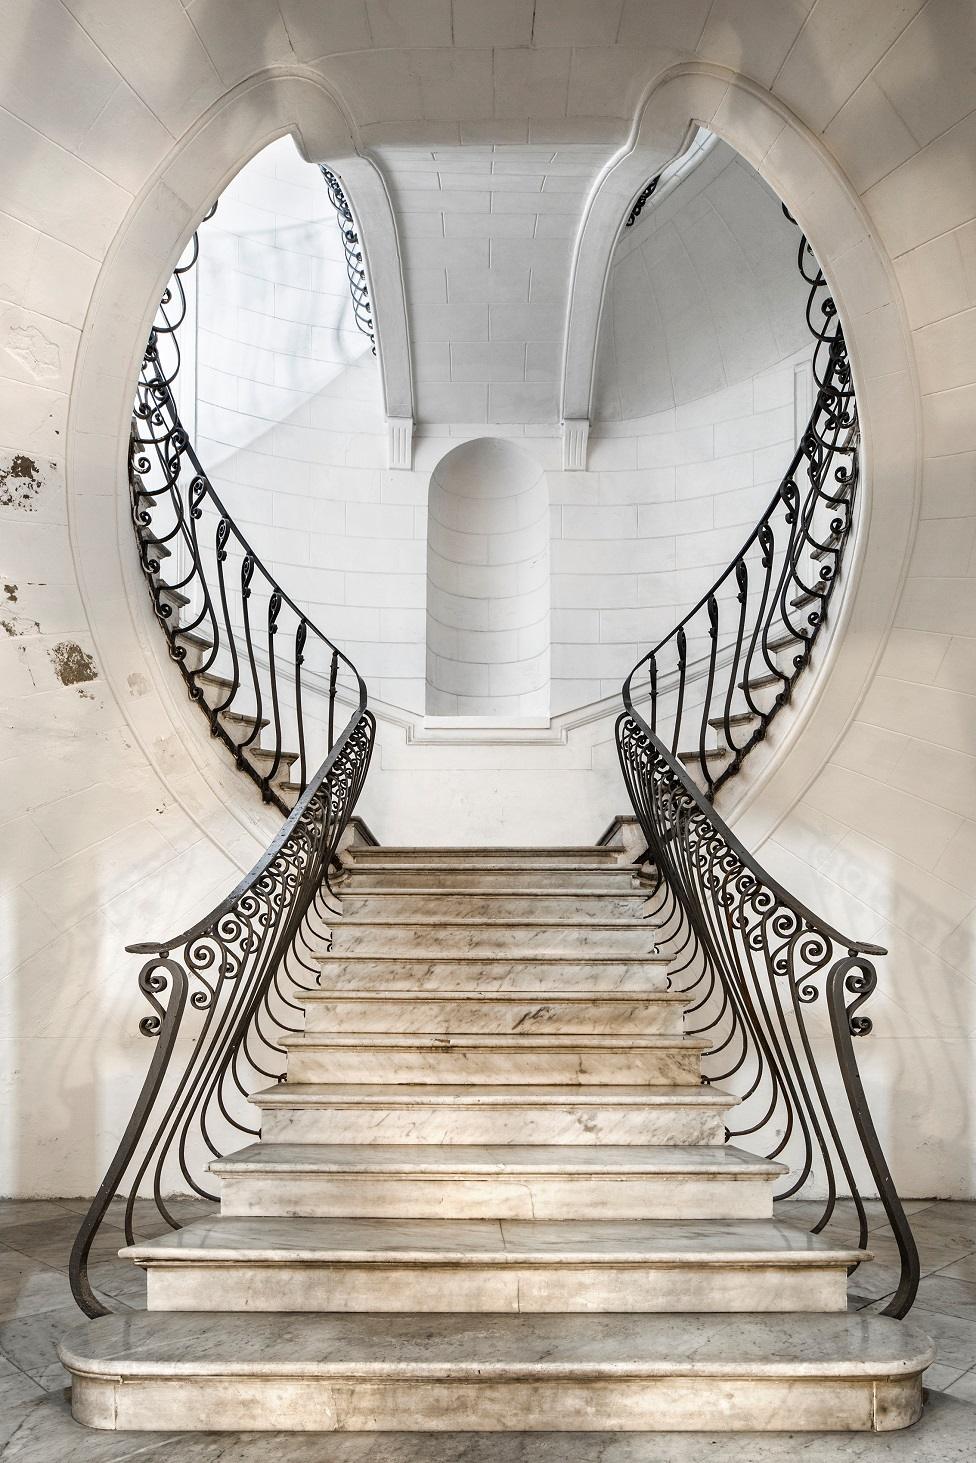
point(383, 1373)
point(306, 1264)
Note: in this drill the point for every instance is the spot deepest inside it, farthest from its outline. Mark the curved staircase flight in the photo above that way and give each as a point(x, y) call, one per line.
point(493, 1194)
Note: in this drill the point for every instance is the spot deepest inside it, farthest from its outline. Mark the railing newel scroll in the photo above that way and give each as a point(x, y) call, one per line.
point(223, 992)
point(753, 961)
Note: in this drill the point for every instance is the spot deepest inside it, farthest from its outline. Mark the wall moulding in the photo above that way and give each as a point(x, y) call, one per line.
point(801, 171)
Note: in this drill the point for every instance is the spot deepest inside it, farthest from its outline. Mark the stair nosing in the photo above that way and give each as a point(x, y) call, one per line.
point(308, 1095)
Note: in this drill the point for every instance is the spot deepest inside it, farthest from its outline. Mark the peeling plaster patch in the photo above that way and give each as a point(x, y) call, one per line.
point(137, 684)
point(72, 664)
point(30, 346)
point(19, 484)
point(20, 625)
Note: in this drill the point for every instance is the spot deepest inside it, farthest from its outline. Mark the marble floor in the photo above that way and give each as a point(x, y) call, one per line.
point(36, 1309)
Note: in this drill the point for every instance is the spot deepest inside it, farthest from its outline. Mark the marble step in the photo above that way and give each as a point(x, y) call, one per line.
point(546, 1373)
point(487, 936)
point(495, 1181)
point(500, 1059)
point(579, 856)
point(419, 879)
point(261, 1264)
point(486, 972)
point(510, 905)
point(567, 1013)
point(303, 1112)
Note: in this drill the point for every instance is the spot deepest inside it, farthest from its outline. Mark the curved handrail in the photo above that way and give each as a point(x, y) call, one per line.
point(238, 973)
point(753, 960)
point(253, 674)
point(720, 668)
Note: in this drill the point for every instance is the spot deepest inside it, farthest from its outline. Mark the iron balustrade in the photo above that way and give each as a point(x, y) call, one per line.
point(353, 249)
point(713, 686)
point(275, 689)
point(222, 992)
point(755, 964)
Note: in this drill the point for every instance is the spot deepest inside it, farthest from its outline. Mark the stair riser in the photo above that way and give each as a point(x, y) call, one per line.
point(494, 1196)
point(494, 1288)
point(231, 1403)
point(633, 941)
point(555, 907)
point(566, 974)
point(619, 879)
point(488, 858)
point(582, 1067)
point(564, 1018)
point(586, 1124)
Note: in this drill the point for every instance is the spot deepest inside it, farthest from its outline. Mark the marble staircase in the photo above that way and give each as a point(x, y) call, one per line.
point(494, 1194)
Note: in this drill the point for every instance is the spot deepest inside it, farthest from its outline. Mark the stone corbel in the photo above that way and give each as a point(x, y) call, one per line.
point(399, 442)
point(576, 432)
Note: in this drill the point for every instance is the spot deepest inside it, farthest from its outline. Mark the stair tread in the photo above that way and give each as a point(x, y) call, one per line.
point(501, 957)
point(502, 997)
point(511, 1041)
point(320, 1094)
point(722, 1160)
point(494, 1241)
point(480, 1347)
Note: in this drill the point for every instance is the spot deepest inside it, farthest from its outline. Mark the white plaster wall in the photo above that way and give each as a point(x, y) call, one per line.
point(290, 420)
point(703, 293)
point(886, 834)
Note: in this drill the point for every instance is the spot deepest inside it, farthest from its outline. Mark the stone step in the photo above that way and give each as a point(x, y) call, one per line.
point(496, 1181)
point(565, 1012)
point(547, 1373)
point(313, 1264)
point(510, 905)
point(486, 972)
point(498, 1060)
point(582, 856)
point(487, 936)
point(298, 1112)
point(393, 878)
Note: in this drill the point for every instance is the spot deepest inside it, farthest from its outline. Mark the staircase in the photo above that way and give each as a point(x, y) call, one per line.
point(494, 1194)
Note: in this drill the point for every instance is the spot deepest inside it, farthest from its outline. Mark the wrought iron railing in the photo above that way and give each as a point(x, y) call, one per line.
point(758, 968)
point(275, 689)
point(352, 246)
point(713, 686)
point(223, 991)
point(221, 994)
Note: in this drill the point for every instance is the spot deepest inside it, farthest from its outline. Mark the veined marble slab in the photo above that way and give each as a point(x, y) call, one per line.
point(497, 1182)
point(486, 972)
point(402, 878)
point(467, 1012)
point(515, 905)
point(305, 1264)
point(536, 1372)
point(449, 1113)
point(624, 937)
point(506, 1059)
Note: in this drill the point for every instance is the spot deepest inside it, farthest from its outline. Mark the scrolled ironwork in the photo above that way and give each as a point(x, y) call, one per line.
point(712, 687)
point(273, 686)
point(221, 993)
point(353, 250)
point(757, 967)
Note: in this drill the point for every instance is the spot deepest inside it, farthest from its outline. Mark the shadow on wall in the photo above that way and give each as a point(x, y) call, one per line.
point(488, 583)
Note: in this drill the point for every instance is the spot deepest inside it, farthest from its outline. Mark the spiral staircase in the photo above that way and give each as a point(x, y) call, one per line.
point(504, 1139)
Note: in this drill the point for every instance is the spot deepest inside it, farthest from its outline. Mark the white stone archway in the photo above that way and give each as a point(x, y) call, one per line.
point(798, 167)
point(130, 649)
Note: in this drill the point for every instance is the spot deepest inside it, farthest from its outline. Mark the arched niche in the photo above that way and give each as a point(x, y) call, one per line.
point(488, 583)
